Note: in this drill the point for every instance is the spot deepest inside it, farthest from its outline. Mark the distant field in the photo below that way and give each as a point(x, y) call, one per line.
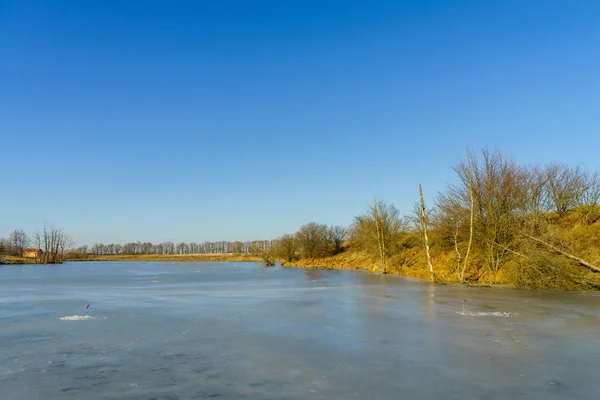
point(173, 257)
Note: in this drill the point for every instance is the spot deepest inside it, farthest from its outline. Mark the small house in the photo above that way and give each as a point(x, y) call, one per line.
point(32, 253)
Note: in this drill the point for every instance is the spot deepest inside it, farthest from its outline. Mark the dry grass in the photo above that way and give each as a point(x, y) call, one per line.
point(412, 265)
point(540, 270)
point(16, 260)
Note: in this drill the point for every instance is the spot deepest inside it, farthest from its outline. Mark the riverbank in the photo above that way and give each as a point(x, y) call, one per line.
point(412, 264)
point(228, 257)
point(329, 264)
point(13, 260)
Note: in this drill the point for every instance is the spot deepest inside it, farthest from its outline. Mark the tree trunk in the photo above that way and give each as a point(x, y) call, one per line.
point(424, 225)
point(381, 244)
point(458, 257)
point(564, 253)
point(462, 273)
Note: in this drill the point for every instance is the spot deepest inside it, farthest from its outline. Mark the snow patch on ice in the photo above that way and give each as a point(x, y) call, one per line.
point(487, 314)
point(76, 318)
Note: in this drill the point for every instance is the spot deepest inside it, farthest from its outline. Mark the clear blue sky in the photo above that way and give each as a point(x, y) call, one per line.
point(208, 120)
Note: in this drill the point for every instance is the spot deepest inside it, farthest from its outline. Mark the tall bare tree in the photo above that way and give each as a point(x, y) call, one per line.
point(53, 242)
point(4, 246)
point(563, 183)
point(499, 190)
point(18, 241)
point(338, 235)
point(425, 236)
point(378, 231)
point(461, 275)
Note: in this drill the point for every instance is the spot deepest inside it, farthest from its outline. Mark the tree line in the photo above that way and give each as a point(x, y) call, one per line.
point(53, 242)
point(168, 248)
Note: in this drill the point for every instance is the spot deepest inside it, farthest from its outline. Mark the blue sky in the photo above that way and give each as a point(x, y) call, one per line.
point(209, 120)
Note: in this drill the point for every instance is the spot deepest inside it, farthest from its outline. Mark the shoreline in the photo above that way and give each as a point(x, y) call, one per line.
point(355, 263)
point(306, 264)
point(14, 260)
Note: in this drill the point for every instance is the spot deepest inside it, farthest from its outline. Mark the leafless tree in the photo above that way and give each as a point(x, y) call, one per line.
point(497, 188)
point(378, 231)
point(423, 221)
point(265, 253)
point(18, 241)
point(563, 182)
point(53, 242)
point(461, 275)
point(236, 247)
point(286, 248)
point(338, 235)
point(588, 196)
point(314, 240)
point(4, 246)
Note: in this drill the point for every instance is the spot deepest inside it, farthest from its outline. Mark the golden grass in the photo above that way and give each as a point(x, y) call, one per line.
point(581, 238)
point(415, 266)
point(356, 260)
point(16, 260)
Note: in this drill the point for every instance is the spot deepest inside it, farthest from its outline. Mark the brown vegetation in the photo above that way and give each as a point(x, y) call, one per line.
point(531, 227)
point(12, 260)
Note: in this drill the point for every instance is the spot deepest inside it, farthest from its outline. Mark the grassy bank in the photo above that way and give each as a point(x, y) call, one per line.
point(170, 257)
point(417, 268)
point(360, 261)
point(13, 260)
point(530, 266)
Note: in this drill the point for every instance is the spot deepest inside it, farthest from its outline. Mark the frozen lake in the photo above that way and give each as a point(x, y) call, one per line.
point(239, 331)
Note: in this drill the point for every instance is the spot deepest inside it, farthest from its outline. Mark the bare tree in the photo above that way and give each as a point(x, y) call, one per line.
point(265, 253)
point(499, 190)
point(338, 235)
point(146, 248)
point(378, 231)
point(286, 247)
point(64, 243)
point(588, 196)
point(18, 241)
point(563, 184)
point(4, 246)
point(425, 237)
point(314, 240)
point(461, 275)
point(53, 242)
point(538, 200)
point(236, 247)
